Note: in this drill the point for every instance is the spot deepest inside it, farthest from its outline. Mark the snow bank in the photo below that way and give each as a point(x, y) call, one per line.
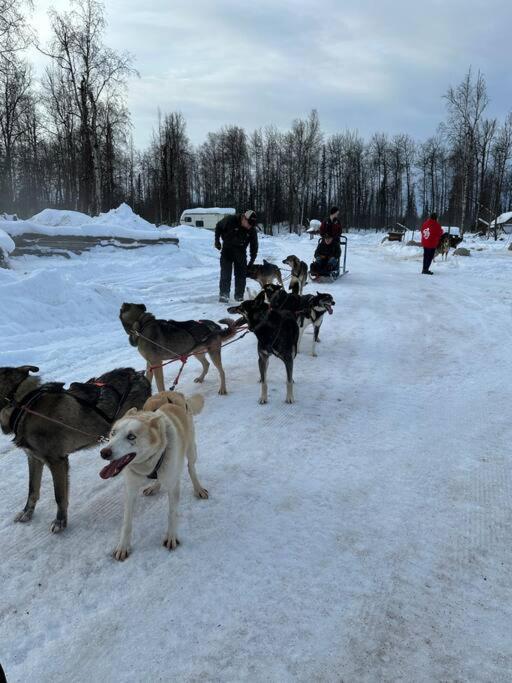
point(52, 299)
point(55, 218)
point(6, 243)
point(123, 217)
point(120, 222)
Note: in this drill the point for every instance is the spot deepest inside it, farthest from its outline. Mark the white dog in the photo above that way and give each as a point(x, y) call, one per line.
point(154, 444)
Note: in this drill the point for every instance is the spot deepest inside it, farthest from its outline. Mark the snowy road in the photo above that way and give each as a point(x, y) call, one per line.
point(362, 534)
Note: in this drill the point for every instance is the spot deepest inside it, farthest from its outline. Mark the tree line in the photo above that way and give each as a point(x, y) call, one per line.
point(65, 142)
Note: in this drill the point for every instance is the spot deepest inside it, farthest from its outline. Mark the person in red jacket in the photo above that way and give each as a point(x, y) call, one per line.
point(431, 233)
point(332, 226)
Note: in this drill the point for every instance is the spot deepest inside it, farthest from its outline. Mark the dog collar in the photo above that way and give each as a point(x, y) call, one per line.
point(154, 473)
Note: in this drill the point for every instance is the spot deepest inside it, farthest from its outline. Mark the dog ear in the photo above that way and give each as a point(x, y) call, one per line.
point(143, 307)
point(28, 368)
point(132, 411)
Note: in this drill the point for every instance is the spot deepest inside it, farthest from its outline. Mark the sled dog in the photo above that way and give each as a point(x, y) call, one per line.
point(146, 444)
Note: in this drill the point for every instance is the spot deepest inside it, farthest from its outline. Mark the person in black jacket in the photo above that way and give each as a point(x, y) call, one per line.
point(327, 256)
point(232, 236)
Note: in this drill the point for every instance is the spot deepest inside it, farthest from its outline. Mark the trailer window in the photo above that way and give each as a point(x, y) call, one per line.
point(188, 219)
point(199, 224)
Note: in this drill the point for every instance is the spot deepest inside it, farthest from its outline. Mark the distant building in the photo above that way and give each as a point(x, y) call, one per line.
point(504, 221)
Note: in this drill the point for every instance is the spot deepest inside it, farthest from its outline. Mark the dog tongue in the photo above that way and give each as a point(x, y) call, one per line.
point(115, 466)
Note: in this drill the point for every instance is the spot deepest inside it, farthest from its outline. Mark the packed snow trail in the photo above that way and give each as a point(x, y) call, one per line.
point(361, 534)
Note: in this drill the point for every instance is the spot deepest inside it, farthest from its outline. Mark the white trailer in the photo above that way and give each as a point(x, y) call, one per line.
point(204, 218)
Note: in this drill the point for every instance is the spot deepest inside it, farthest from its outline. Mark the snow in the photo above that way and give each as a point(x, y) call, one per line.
point(6, 243)
point(56, 218)
point(121, 222)
point(502, 218)
point(361, 534)
point(215, 209)
point(451, 229)
point(8, 216)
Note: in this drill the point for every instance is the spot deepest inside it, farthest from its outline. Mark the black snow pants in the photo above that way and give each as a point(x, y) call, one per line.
point(232, 257)
point(428, 255)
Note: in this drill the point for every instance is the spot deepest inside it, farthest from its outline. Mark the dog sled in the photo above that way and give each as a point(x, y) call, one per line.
point(339, 269)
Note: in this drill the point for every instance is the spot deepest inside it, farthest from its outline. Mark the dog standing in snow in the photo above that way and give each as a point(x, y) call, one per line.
point(154, 445)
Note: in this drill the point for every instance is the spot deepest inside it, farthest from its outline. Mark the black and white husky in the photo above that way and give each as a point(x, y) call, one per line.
point(309, 309)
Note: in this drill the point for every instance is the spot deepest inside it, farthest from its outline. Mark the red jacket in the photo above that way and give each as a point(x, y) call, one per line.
point(431, 232)
point(330, 227)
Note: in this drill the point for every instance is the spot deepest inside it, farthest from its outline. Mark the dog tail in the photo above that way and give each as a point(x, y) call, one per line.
point(195, 403)
point(232, 327)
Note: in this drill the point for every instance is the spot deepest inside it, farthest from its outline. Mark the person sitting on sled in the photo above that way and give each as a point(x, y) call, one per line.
point(327, 256)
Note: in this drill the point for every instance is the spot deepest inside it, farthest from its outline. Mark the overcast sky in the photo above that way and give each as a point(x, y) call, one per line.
point(370, 66)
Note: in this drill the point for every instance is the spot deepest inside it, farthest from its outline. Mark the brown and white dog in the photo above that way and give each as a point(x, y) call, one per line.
point(145, 444)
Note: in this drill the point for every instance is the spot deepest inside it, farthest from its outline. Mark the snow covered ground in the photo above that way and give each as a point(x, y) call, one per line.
point(361, 534)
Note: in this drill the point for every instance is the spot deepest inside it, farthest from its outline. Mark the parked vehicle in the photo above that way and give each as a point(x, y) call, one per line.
point(204, 218)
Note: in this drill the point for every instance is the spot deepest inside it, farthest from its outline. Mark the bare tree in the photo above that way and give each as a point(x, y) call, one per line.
point(92, 73)
point(466, 105)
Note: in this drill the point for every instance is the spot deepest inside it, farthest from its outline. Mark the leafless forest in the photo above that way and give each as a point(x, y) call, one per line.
point(66, 142)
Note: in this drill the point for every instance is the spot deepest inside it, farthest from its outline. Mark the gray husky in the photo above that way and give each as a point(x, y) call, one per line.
point(50, 422)
point(160, 340)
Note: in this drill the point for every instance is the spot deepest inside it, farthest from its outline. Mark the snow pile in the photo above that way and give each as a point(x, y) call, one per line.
point(123, 218)
point(6, 244)
point(121, 222)
point(8, 216)
point(51, 299)
point(55, 218)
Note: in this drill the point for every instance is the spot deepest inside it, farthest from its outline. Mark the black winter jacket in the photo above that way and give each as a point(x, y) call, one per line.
point(234, 236)
point(328, 250)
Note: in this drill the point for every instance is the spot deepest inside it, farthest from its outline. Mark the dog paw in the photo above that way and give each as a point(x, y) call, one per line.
point(58, 525)
point(171, 542)
point(24, 516)
point(202, 493)
point(150, 490)
point(262, 401)
point(199, 380)
point(290, 400)
point(314, 354)
point(223, 391)
point(121, 553)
